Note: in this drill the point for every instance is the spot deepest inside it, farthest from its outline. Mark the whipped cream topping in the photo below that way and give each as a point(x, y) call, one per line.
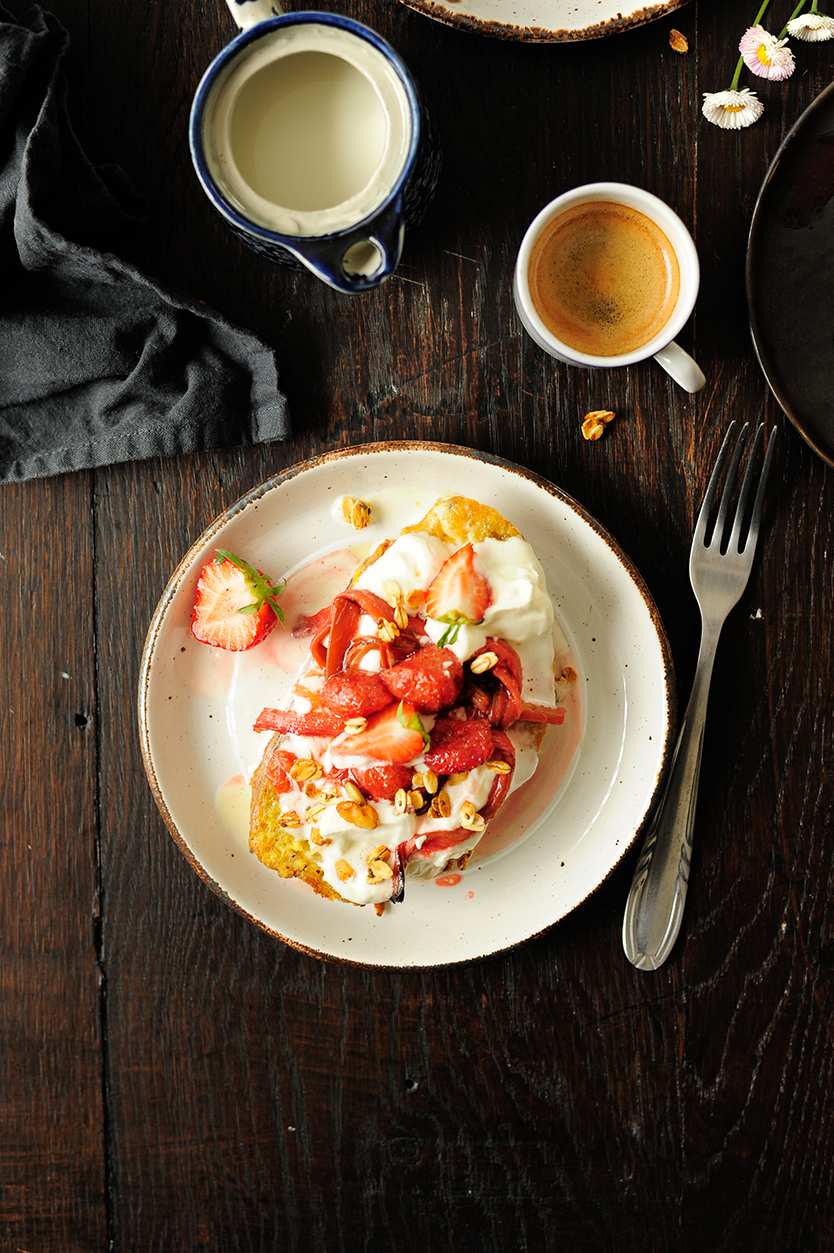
point(520, 612)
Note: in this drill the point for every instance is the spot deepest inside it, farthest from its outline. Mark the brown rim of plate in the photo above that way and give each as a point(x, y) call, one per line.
point(362, 450)
point(540, 34)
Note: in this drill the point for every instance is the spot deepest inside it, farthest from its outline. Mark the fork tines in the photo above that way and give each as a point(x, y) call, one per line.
point(743, 531)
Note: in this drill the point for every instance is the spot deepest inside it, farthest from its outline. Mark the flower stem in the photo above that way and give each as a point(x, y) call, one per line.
point(737, 75)
point(796, 13)
point(760, 13)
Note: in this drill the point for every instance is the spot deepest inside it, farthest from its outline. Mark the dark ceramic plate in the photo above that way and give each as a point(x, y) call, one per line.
point(790, 275)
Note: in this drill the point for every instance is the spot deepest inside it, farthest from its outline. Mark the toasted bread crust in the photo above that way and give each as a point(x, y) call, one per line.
point(275, 845)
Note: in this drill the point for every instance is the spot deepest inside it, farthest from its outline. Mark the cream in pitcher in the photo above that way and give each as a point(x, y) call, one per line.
point(309, 136)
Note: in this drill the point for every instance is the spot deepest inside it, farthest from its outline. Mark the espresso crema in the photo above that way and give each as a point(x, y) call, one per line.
point(604, 278)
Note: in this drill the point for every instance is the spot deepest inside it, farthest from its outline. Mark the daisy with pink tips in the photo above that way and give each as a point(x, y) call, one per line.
point(766, 55)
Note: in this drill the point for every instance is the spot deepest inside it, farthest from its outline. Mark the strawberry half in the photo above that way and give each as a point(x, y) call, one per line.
point(236, 606)
point(459, 593)
point(430, 678)
point(394, 734)
point(459, 744)
point(355, 695)
point(383, 782)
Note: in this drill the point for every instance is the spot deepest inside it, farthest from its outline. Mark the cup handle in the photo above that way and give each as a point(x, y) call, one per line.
point(325, 257)
point(682, 368)
point(249, 12)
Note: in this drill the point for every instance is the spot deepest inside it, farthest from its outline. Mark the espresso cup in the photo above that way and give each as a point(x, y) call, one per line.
point(607, 275)
point(310, 138)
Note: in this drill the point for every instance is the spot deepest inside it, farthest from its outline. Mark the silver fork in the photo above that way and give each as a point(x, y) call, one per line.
point(658, 891)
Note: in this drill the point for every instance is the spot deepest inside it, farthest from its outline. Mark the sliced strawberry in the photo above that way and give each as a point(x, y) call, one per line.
point(394, 735)
point(355, 695)
point(278, 770)
point(316, 722)
point(236, 606)
point(459, 744)
point(383, 782)
point(459, 593)
point(428, 679)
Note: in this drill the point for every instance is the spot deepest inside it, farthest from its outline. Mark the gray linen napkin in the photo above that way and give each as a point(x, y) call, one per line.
point(99, 363)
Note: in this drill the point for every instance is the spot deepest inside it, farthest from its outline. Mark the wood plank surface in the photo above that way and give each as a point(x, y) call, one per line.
point(176, 1079)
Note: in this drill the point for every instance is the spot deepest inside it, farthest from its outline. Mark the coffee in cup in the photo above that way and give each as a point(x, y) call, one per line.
point(607, 275)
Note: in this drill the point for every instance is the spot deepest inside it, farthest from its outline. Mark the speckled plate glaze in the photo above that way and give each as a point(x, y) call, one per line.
point(790, 275)
point(566, 838)
point(543, 21)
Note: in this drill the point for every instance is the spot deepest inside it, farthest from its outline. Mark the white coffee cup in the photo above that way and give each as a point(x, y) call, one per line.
point(661, 346)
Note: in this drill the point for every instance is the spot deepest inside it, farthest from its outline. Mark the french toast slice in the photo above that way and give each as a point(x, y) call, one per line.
point(300, 781)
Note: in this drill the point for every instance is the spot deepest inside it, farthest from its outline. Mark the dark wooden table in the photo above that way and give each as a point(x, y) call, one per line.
point(174, 1079)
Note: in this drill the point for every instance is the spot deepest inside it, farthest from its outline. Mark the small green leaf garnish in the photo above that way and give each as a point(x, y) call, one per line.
point(412, 724)
point(456, 621)
point(450, 635)
point(262, 589)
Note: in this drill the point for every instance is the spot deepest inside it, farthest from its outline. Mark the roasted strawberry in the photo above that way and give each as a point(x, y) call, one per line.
point(236, 606)
point(459, 744)
point(394, 735)
point(357, 694)
point(383, 782)
point(278, 770)
point(316, 722)
point(428, 679)
point(459, 593)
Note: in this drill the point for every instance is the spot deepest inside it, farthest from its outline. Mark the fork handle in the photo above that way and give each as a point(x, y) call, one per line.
point(654, 908)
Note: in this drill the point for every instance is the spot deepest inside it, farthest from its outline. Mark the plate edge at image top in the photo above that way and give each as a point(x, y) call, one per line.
point(368, 454)
point(474, 16)
point(759, 286)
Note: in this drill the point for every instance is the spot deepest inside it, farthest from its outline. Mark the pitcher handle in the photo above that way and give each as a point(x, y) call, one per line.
point(325, 257)
point(248, 13)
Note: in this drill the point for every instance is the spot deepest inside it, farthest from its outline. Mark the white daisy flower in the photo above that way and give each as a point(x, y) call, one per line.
point(766, 55)
point(732, 109)
point(811, 27)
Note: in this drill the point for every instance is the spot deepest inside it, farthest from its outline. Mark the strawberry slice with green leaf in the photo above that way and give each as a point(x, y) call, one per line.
point(236, 606)
point(459, 594)
point(395, 735)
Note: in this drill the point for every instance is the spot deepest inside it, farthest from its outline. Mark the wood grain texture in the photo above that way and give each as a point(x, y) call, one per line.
point(174, 1078)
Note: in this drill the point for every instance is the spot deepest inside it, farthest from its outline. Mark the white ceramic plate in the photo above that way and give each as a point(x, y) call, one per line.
point(561, 838)
point(544, 20)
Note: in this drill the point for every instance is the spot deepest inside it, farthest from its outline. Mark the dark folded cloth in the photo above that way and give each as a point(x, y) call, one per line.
point(98, 363)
